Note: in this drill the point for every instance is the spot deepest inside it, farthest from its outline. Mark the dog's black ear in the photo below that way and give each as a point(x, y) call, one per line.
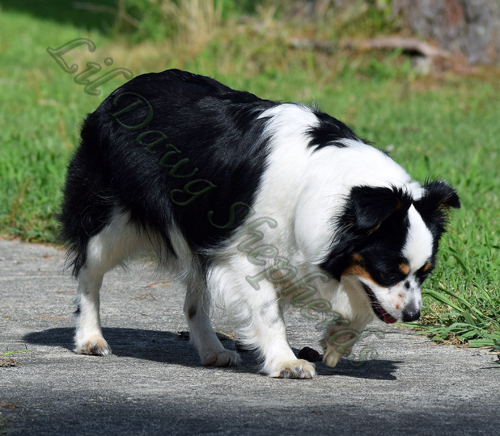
point(439, 196)
point(435, 203)
point(368, 207)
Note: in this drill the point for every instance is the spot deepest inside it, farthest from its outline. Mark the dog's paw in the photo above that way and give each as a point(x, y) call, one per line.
point(293, 369)
point(338, 342)
point(332, 356)
point(96, 346)
point(221, 358)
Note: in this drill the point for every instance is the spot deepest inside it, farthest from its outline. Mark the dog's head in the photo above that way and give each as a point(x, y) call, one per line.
point(387, 240)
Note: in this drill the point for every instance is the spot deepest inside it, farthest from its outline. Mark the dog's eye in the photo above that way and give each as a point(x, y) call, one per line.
point(424, 272)
point(390, 279)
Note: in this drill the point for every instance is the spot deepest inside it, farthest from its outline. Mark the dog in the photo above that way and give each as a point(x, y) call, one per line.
point(252, 204)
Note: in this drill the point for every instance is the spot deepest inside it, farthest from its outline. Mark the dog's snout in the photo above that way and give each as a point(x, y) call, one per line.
point(411, 315)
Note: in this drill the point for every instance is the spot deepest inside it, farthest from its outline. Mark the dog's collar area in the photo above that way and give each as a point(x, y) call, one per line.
point(377, 307)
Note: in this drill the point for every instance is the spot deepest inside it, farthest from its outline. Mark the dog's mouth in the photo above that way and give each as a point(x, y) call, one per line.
point(377, 307)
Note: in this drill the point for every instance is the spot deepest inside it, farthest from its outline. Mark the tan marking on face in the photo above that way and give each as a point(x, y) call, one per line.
point(426, 266)
point(404, 268)
point(397, 306)
point(357, 270)
point(357, 258)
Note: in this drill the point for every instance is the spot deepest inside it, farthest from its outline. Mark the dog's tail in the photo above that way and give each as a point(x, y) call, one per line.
point(88, 198)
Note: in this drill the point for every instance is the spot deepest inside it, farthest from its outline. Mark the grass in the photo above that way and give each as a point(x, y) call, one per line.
point(10, 353)
point(439, 126)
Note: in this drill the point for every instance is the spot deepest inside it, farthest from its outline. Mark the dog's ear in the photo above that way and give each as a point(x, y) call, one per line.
point(439, 195)
point(435, 204)
point(368, 207)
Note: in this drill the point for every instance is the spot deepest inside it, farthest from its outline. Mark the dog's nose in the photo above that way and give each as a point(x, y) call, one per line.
point(411, 315)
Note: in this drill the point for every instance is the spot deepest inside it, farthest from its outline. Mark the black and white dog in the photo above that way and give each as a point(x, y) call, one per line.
point(251, 203)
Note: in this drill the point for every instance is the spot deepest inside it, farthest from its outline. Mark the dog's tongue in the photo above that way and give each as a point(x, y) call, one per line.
point(377, 308)
point(388, 319)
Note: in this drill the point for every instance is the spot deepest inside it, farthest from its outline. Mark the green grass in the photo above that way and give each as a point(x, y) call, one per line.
point(10, 353)
point(41, 111)
point(436, 127)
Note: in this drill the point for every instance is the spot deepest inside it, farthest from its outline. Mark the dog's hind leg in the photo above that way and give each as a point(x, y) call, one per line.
point(202, 335)
point(117, 241)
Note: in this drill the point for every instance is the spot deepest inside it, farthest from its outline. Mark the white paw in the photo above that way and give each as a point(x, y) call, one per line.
point(96, 345)
point(293, 369)
point(338, 342)
point(220, 358)
point(332, 356)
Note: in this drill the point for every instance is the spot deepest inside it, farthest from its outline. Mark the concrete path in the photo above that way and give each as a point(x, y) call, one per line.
point(153, 384)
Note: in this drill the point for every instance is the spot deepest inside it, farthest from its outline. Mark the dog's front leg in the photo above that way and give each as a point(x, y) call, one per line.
point(340, 338)
point(354, 314)
point(265, 330)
